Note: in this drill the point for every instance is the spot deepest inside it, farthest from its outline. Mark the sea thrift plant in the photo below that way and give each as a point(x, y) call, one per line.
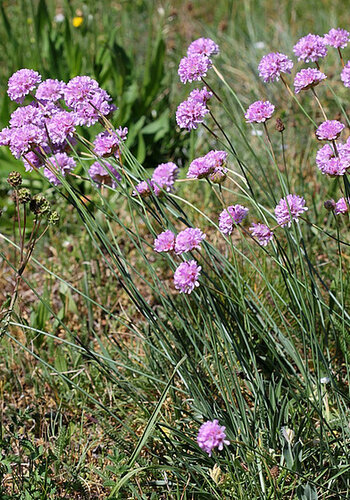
point(190, 114)
point(104, 174)
point(342, 206)
point(62, 163)
point(310, 48)
point(165, 242)
point(290, 209)
point(164, 177)
point(272, 65)
point(262, 233)
point(194, 68)
point(345, 75)
point(337, 37)
point(259, 112)
point(22, 83)
point(307, 78)
point(329, 130)
point(203, 46)
point(212, 435)
point(186, 276)
point(189, 239)
point(232, 215)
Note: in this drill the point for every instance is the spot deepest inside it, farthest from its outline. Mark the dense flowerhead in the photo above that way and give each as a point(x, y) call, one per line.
point(310, 48)
point(190, 114)
point(272, 65)
point(212, 435)
point(200, 95)
point(331, 162)
point(106, 143)
point(262, 233)
point(61, 163)
point(289, 209)
point(186, 276)
point(50, 90)
point(234, 214)
point(104, 174)
point(329, 130)
point(342, 206)
point(165, 242)
point(61, 127)
point(164, 177)
point(337, 37)
point(194, 68)
point(143, 188)
point(22, 83)
point(345, 75)
point(203, 46)
point(188, 239)
point(259, 112)
point(307, 78)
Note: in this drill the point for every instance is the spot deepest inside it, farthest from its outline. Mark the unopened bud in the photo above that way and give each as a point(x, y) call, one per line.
point(14, 179)
point(24, 195)
point(39, 204)
point(279, 125)
point(329, 204)
point(218, 176)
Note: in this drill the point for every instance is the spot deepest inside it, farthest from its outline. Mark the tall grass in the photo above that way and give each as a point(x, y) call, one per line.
point(262, 343)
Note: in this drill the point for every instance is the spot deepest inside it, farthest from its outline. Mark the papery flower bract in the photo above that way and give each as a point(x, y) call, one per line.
point(50, 90)
point(186, 276)
point(193, 68)
point(272, 65)
point(289, 208)
point(262, 233)
point(200, 95)
point(61, 126)
point(341, 207)
point(164, 177)
point(188, 239)
point(203, 46)
point(101, 175)
point(212, 435)
point(329, 130)
point(143, 188)
point(337, 38)
point(259, 112)
point(307, 78)
point(165, 242)
point(232, 215)
point(190, 114)
point(22, 83)
point(61, 162)
point(345, 75)
point(310, 48)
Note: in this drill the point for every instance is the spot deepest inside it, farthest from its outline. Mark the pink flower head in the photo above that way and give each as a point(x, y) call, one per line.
point(200, 95)
point(259, 112)
point(22, 83)
point(188, 239)
point(5, 136)
point(345, 75)
point(212, 435)
point(331, 164)
point(186, 276)
point(337, 38)
point(26, 115)
point(289, 208)
point(203, 46)
point(61, 126)
point(307, 78)
point(89, 112)
point(190, 114)
point(80, 90)
point(234, 214)
point(164, 177)
point(143, 188)
point(104, 174)
point(32, 160)
point(329, 130)
point(106, 143)
point(50, 90)
point(310, 48)
point(262, 233)
point(193, 68)
point(342, 207)
point(62, 163)
point(205, 165)
point(272, 65)
point(25, 138)
point(165, 242)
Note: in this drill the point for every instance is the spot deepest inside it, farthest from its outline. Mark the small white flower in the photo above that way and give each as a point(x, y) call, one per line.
point(257, 132)
point(325, 380)
point(259, 45)
point(59, 18)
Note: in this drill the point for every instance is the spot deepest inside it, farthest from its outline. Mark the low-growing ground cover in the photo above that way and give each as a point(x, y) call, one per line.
point(178, 333)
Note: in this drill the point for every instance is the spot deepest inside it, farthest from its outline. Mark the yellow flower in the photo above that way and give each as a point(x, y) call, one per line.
point(77, 21)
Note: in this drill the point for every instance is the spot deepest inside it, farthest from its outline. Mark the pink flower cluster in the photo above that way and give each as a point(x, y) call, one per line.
point(329, 130)
point(259, 112)
point(310, 48)
point(209, 166)
point(334, 162)
point(289, 209)
point(163, 179)
point(232, 215)
point(212, 435)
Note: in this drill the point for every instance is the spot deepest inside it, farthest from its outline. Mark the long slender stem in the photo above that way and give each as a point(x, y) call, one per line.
point(319, 104)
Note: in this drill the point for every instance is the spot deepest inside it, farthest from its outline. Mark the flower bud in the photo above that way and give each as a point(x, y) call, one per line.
point(39, 204)
point(218, 176)
point(14, 179)
point(279, 125)
point(24, 195)
point(329, 205)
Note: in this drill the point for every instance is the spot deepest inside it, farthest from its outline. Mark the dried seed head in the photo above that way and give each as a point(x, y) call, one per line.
point(14, 179)
point(279, 125)
point(39, 204)
point(274, 471)
point(329, 205)
point(53, 218)
point(24, 195)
